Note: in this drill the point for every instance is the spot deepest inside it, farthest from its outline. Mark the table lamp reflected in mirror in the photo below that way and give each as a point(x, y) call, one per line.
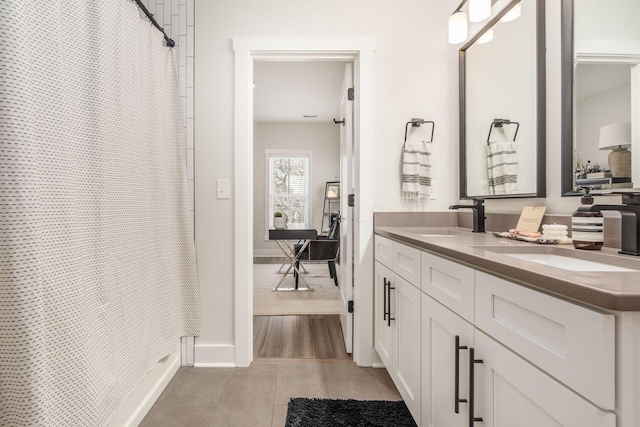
point(617, 137)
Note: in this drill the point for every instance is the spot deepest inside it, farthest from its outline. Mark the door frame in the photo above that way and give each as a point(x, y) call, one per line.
point(360, 52)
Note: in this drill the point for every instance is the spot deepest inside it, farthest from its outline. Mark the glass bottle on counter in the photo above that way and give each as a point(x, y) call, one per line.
point(587, 228)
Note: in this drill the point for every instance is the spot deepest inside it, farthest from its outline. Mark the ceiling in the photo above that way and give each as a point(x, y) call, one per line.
point(287, 91)
point(593, 79)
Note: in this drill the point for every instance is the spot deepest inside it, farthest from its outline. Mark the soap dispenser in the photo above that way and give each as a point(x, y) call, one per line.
point(587, 228)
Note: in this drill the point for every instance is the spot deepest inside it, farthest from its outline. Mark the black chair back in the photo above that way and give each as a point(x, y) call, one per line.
point(334, 228)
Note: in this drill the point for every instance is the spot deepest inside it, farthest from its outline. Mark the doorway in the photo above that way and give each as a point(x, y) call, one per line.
point(298, 124)
point(360, 52)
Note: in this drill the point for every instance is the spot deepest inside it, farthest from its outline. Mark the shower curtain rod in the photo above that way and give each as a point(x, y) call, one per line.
point(169, 42)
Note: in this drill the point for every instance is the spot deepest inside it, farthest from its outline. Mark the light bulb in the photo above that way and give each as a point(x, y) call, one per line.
point(457, 27)
point(479, 10)
point(486, 37)
point(513, 14)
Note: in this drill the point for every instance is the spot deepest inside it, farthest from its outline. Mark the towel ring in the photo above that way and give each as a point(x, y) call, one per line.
point(416, 124)
point(500, 123)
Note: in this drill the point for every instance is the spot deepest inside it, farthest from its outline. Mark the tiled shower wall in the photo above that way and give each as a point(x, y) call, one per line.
point(177, 19)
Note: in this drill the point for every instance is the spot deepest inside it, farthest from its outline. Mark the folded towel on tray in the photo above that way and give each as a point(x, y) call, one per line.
point(416, 170)
point(502, 165)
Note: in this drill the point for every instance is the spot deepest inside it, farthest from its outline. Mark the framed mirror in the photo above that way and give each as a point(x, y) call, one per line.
point(502, 105)
point(600, 95)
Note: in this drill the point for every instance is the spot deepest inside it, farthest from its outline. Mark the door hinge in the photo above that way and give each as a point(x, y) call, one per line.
point(351, 200)
point(351, 94)
point(350, 306)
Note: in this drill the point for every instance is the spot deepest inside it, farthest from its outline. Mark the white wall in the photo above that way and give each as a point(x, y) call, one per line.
point(607, 20)
point(416, 75)
point(323, 139)
point(604, 108)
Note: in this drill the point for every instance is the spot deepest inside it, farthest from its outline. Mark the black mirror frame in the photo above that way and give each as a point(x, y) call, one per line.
point(567, 169)
point(540, 107)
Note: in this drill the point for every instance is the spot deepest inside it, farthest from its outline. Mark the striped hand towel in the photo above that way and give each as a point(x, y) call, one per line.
point(416, 170)
point(502, 165)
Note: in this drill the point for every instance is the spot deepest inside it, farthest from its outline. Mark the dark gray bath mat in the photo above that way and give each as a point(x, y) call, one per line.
point(304, 412)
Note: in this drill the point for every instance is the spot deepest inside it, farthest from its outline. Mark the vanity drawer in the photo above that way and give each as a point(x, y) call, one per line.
point(382, 250)
point(574, 344)
point(449, 283)
point(406, 263)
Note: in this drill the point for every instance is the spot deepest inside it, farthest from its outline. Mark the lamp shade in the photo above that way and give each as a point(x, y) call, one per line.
point(479, 10)
point(614, 136)
point(457, 27)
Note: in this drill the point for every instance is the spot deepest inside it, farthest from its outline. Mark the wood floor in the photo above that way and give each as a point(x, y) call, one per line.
point(268, 259)
point(298, 337)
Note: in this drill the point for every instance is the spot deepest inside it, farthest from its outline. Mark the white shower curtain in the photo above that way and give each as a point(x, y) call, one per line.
point(97, 261)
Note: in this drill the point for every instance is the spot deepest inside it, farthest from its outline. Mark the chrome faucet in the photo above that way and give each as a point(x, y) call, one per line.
point(478, 214)
point(630, 211)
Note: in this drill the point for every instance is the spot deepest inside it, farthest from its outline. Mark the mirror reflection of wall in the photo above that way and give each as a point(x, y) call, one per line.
point(606, 54)
point(501, 83)
point(603, 97)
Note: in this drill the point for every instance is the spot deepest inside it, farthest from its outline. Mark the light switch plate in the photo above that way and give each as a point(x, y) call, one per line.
point(222, 189)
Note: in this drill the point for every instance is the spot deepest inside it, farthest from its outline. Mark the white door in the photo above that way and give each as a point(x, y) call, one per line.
point(511, 392)
point(346, 184)
point(441, 386)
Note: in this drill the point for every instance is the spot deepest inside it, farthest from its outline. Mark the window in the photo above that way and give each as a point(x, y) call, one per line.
point(288, 185)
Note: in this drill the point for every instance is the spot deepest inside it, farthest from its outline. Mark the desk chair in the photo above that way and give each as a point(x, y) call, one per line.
point(323, 248)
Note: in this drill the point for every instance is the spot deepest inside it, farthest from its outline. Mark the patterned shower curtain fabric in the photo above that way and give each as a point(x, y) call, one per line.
point(97, 262)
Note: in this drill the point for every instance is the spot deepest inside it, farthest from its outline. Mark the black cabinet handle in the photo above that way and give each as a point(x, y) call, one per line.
point(389, 318)
point(384, 298)
point(472, 362)
point(456, 387)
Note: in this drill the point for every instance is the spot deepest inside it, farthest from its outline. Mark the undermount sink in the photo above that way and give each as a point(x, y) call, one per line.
point(568, 263)
point(437, 233)
point(566, 259)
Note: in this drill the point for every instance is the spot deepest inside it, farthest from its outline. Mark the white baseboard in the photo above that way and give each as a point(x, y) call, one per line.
point(140, 400)
point(267, 253)
point(215, 356)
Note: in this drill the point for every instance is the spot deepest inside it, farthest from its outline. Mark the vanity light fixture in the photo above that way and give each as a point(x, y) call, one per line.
point(513, 14)
point(479, 10)
point(486, 37)
point(458, 26)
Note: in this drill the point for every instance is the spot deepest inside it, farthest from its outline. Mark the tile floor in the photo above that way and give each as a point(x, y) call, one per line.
point(257, 396)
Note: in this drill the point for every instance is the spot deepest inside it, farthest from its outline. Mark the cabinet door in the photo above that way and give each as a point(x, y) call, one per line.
point(440, 326)
point(406, 262)
point(510, 392)
point(382, 250)
point(383, 332)
point(573, 344)
point(407, 344)
point(450, 283)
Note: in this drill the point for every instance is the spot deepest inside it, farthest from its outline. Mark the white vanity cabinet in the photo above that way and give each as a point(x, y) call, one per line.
point(446, 338)
point(383, 331)
point(510, 391)
point(573, 344)
point(407, 335)
point(397, 332)
point(530, 358)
